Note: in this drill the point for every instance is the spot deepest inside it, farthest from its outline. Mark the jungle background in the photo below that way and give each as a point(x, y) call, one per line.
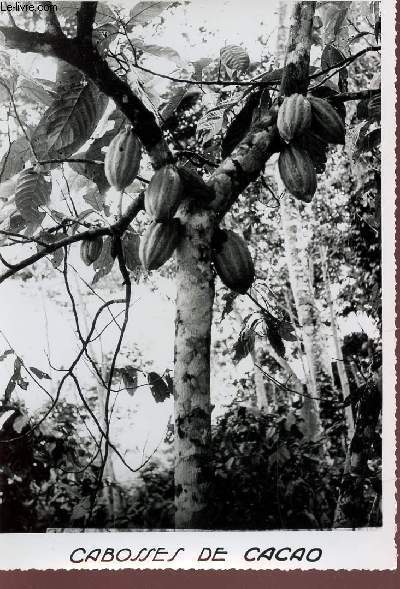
point(295, 363)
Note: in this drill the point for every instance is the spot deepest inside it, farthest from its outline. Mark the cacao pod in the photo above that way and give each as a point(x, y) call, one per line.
point(297, 172)
point(91, 249)
point(326, 121)
point(122, 160)
point(158, 243)
point(163, 194)
point(232, 261)
point(294, 116)
point(317, 149)
point(130, 250)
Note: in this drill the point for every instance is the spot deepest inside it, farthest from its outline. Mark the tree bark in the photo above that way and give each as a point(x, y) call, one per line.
point(195, 296)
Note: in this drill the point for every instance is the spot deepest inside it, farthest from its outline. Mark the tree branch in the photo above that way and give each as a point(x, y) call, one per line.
point(86, 58)
point(85, 19)
point(117, 229)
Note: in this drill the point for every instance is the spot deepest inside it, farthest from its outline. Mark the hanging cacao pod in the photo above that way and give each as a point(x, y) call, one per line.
point(294, 116)
point(91, 249)
point(297, 172)
point(130, 250)
point(317, 149)
point(163, 194)
point(158, 243)
point(326, 121)
point(232, 261)
point(122, 160)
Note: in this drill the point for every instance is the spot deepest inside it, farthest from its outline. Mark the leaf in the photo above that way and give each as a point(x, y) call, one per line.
point(14, 160)
point(130, 378)
point(159, 389)
point(19, 423)
point(15, 380)
point(199, 65)
point(275, 339)
point(57, 256)
point(240, 125)
point(228, 299)
point(331, 57)
point(374, 108)
point(5, 416)
point(92, 171)
point(95, 199)
point(32, 192)
point(280, 456)
point(6, 353)
point(41, 375)
point(169, 109)
point(235, 58)
point(104, 263)
point(81, 509)
point(243, 346)
point(286, 331)
point(157, 50)
point(209, 125)
point(71, 120)
point(368, 141)
point(32, 91)
point(144, 12)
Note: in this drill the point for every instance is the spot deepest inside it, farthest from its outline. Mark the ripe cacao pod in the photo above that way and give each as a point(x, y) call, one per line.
point(158, 243)
point(294, 116)
point(232, 261)
point(130, 249)
point(91, 249)
point(163, 194)
point(122, 160)
point(297, 172)
point(326, 121)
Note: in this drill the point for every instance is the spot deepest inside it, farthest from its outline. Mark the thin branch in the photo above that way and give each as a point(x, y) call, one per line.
point(118, 228)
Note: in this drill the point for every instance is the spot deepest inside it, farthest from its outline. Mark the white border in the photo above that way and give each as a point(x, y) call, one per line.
point(367, 549)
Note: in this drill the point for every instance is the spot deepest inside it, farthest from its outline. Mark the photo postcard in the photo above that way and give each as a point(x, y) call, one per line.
point(197, 285)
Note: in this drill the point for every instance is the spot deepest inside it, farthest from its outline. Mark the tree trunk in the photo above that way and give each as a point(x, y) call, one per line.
point(195, 296)
point(296, 256)
point(262, 401)
point(354, 504)
point(344, 381)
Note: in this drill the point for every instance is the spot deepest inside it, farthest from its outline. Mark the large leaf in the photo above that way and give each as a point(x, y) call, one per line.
point(14, 159)
point(157, 50)
point(104, 263)
point(32, 192)
point(70, 121)
point(91, 170)
point(235, 58)
point(144, 12)
point(159, 388)
point(240, 125)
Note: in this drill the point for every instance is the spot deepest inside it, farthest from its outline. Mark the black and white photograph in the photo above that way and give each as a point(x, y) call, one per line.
point(197, 283)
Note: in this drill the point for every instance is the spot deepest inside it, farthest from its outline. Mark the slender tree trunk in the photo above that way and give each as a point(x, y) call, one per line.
point(195, 296)
point(262, 401)
point(344, 381)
